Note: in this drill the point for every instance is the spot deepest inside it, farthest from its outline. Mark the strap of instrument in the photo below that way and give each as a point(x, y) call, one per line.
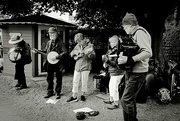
point(17, 56)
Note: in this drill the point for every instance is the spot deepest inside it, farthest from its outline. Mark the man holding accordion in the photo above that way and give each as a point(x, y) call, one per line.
point(135, 64)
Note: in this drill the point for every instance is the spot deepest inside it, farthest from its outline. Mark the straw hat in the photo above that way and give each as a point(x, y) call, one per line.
point(15, 39)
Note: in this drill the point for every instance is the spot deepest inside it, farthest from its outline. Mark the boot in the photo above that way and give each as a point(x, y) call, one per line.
point(128, 117)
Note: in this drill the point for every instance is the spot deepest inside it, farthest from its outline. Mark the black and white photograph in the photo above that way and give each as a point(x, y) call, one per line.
point(91, 60)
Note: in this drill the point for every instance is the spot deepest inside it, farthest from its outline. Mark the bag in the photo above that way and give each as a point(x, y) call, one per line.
point(80, 115)
point(28, 58)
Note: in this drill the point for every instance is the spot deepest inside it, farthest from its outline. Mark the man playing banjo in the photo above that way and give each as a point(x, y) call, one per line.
point(19, 54)
point(56, 53)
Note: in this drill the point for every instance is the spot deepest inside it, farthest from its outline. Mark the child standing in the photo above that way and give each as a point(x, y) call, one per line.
point(116, 74)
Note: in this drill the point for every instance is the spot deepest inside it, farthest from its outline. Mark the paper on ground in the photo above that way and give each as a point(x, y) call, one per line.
point(52, 101)
point(85, 109)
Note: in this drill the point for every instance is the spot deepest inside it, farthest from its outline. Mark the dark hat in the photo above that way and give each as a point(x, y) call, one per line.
point(52, 29)
point(129, 19)
point(15, 39)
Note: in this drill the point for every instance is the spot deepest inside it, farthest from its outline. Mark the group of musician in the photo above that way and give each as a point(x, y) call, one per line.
point(84, 53)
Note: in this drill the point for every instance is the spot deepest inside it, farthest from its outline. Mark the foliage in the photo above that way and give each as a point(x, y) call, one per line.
point(102, 14)
point(171, 40)
point(96, 13)
point(16, 8)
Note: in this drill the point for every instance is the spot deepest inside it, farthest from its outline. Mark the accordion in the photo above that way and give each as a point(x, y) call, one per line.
point(129, 49)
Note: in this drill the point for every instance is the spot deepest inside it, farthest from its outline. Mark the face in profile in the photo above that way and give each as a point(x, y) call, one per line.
point(127, 28)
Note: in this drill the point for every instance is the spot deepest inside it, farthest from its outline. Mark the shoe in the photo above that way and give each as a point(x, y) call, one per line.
point(107, 101)
point(20, 88)
point(93, 113)
point(58, 96)
point(113, 106)
point(83, 98)
point(17, 85)
point(72, 99)
point(48, 95)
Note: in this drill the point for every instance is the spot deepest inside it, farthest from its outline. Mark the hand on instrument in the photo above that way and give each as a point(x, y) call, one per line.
point(105, 58)
point(122, 59)
point(53, 58)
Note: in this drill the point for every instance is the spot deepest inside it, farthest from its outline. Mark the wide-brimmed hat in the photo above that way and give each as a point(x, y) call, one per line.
point(15, 39)
point(52, 29)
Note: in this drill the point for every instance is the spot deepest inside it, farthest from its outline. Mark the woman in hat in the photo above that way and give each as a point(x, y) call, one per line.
point(23, 50)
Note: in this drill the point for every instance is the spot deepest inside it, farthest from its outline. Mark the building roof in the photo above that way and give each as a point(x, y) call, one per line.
point(37, 19)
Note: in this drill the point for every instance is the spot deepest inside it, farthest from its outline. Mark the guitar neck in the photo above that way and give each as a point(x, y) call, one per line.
point(40, 52)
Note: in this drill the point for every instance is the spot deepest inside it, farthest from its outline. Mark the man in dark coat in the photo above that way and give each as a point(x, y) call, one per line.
point(57, 45)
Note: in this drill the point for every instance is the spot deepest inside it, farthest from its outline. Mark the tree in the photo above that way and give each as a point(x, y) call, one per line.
point(103, 14)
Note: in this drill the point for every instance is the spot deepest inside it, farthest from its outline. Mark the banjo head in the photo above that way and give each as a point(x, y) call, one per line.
point(50, 55)
point(14, 55)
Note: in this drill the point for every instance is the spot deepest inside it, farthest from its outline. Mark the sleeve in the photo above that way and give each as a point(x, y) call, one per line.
point(144, 42)
point(63, 51)
point(74, 52)
point(92, 54)
point(112, 62)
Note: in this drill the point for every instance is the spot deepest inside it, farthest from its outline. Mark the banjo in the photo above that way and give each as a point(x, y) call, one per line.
point(50, 55)
point(14, 54)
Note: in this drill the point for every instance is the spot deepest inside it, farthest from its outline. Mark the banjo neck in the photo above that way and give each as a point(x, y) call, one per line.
point(49, 55)
point(38, 51)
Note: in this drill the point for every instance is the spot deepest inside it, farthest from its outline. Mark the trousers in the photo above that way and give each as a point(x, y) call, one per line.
point(113, 87)
point(82, 76)
point(134, 82)
point(50, 81)
point(20, 75)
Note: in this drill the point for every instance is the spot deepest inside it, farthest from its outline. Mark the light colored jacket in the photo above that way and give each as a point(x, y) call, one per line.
point(83, 63)
point(143, 39)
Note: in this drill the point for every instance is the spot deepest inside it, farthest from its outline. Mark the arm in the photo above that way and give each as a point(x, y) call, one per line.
point(112, 62)
point(144, 43)
point(63, 51)
point(91, 52)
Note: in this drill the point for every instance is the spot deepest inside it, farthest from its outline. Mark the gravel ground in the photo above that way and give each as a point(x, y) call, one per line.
point(29, 104)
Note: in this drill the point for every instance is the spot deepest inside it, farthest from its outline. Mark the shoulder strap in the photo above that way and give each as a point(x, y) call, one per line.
point(137, 30)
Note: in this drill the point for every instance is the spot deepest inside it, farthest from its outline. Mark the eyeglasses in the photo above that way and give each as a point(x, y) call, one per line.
point(126, 26)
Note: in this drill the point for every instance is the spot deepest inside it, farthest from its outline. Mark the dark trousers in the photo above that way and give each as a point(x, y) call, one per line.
point(20, 75)
point(50, 78)
point(134, 83)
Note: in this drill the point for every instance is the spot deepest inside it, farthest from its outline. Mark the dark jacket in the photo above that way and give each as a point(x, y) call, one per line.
point(24, 51)
point(61, 49)
point(113, 68)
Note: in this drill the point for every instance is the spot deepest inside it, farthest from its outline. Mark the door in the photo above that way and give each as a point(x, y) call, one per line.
point(43, 38)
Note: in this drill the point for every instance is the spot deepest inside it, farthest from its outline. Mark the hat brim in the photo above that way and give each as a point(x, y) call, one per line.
point(15, 41)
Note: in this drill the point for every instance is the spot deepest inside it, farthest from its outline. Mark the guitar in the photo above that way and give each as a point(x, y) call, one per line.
point(50, 56)
point(83, 52)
